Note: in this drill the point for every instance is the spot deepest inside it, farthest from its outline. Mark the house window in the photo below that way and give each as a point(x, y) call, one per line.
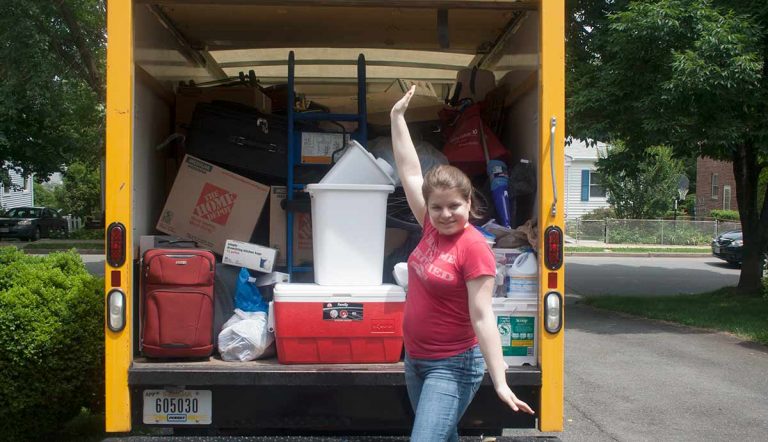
point(591, 185)
point(27, 183)
point(715, 187)
point(726, 197)
point(5, 181)
point(596, 189)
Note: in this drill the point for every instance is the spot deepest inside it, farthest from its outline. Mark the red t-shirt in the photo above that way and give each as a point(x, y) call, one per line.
point(436, 323)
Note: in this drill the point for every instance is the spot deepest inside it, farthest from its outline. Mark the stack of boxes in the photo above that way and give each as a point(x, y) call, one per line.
point(348, 315)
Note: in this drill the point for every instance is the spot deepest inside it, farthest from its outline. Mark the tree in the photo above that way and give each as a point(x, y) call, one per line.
point(51, 83)
point(689, 74)
point(640, 190)
point(80, 195)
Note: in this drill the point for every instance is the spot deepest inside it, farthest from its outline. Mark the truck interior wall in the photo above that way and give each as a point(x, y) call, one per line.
point(521, 123)
point(151, 125)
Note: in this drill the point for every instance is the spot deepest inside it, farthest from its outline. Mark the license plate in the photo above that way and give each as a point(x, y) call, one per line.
point(4, 230)
point(183, 407)
point(717, 249)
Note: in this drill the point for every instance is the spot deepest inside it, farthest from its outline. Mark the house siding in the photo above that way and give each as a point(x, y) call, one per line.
point(17, 198)
point(581, 157)
point(705, 200)
point(574, 206)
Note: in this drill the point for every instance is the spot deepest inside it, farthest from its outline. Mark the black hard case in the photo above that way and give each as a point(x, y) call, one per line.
point(239, 137)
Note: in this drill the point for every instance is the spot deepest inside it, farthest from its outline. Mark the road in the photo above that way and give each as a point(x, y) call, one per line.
point(629, 379)
point(588, 275)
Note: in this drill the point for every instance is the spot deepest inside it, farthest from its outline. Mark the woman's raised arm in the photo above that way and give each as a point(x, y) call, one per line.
point(408, 165)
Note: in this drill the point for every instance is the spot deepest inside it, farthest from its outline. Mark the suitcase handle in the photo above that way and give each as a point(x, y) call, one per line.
point(177, 241)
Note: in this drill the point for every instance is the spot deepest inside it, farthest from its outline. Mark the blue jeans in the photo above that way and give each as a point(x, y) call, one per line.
point(440, 391)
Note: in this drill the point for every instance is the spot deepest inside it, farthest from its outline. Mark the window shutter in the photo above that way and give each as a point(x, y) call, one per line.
point(585, 185)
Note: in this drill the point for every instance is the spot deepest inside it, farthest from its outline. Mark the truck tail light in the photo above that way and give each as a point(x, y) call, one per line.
point(116, 244)
point(553, 247)
point(116, 310)
point(553, 312)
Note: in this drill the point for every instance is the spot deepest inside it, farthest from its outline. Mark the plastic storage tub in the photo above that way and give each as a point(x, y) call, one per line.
point(348, 226)
point(358, 166)
point(344, 324)
point(516, 320)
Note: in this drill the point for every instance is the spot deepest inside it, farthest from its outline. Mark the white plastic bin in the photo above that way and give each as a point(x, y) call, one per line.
point(516, 320)
point(358, 166)
point(523, 277)
point(348, 225)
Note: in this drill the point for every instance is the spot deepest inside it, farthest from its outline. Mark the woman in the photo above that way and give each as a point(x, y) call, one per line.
point(448, 309)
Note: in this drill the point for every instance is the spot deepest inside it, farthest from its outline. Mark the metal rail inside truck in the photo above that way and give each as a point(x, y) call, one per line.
point(153, 45)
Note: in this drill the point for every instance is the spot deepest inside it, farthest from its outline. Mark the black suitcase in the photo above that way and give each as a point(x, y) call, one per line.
point(240, 138)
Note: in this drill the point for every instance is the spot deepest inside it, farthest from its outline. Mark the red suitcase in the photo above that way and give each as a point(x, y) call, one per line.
point(177, 303)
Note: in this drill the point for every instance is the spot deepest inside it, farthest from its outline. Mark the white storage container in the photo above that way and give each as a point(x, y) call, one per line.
point(348, 226)
point(517, 320)
point(523, 277)
point(358, 166)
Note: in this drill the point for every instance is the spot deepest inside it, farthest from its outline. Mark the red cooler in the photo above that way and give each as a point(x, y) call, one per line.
point(338, 324)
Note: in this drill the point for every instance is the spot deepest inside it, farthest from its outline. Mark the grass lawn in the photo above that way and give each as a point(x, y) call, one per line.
point(660, 249)
point(724, 310)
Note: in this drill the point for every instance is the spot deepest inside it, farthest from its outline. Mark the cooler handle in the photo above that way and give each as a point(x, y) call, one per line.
point(271, 317)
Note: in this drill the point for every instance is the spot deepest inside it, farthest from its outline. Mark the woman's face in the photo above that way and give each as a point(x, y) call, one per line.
point(448, 210)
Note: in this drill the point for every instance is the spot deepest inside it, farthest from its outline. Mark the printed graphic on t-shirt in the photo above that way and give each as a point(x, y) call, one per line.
point(423, 261)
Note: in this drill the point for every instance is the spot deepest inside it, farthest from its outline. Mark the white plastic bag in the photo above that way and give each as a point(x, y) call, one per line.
point(244, 337)
point(429, 157)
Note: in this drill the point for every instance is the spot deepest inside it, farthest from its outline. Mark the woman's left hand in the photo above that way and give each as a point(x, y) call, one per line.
point(509, 398)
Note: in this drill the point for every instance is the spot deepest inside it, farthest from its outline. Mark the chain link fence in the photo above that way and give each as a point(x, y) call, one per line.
point(647, 231)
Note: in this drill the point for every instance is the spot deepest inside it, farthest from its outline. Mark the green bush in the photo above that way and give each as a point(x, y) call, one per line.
point(51, 342)
point(724, 215)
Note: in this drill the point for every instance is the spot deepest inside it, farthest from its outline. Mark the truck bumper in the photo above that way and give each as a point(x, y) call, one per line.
point(265, 397)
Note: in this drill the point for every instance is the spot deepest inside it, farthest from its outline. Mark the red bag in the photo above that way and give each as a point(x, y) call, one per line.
point(464, 145)
point(177, 303)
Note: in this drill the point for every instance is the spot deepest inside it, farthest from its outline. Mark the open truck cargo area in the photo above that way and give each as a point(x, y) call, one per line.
point(305, 58)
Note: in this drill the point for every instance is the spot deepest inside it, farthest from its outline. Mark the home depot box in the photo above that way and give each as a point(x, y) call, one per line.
point(188, 97)
point(250, 256)
point(302, 230)
point(210, 205)
point(338, 324)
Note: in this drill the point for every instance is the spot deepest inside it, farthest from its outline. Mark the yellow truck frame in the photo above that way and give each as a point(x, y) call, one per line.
point(125, 71)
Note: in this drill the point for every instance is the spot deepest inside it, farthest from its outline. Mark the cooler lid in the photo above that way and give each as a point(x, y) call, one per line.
point(288, 292)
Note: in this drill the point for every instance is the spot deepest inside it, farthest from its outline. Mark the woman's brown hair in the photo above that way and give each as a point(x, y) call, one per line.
point(445, 177)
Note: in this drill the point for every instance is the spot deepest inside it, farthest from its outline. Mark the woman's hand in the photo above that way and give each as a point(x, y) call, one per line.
point(399, 108)
point(509, 398)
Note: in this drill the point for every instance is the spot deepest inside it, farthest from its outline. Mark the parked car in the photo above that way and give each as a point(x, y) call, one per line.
point(31, 223)
point(728, 247)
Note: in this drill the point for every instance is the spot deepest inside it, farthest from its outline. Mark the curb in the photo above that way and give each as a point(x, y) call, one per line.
point(79, 251)
point(641, 254)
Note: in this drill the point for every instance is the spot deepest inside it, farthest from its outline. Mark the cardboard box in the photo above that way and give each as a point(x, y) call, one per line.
point(250, 256)
point(270, 279)
point(188, 97)
point(317, 147)
point(302, 230)
point(210, 205)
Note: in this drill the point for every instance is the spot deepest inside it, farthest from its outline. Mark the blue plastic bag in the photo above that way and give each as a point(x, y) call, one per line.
point(248, 297)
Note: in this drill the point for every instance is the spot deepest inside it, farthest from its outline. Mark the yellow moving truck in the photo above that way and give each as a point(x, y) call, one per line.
point(155, 44)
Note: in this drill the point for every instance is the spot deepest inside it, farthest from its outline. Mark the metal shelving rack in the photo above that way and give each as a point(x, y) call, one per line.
point(294, 153)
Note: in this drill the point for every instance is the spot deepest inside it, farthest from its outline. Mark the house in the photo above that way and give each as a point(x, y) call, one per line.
point(583, 192)
point(15, 190)
point(715, 186)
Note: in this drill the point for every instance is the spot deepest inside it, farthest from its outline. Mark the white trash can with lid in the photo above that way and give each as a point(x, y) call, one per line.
point(358, 166)
point(348, 227)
